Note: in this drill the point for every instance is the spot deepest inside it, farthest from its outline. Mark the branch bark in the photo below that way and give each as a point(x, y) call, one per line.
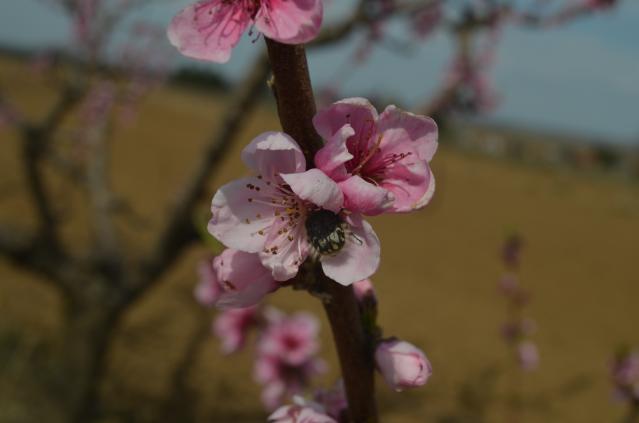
point(296, 108)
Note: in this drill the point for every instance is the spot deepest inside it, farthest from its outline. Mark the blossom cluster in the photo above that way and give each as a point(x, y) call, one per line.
point(516, 331)
point(286, 348)
point(285, 213)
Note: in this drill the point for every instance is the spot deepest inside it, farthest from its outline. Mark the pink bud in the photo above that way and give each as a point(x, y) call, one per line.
point(402, 364)
point(364, 289)
point(528, 355)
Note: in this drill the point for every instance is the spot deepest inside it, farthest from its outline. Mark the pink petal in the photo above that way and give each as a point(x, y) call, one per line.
point(331, 158)
point(357, 112)
point(240, 213)
point(290, 253)
point(314, 186)
point(272, 153)
point(208, 30)
point(399, 126)
point(290, 21)
point(408, 179)
point(208, 290)
point(243, 279)
point(363, 197)
point(359, 258)
point(430, 191)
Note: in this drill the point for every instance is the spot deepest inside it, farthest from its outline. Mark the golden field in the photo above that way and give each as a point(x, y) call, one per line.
point(437, 284)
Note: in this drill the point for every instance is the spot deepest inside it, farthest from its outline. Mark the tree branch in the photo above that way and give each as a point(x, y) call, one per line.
point(296, 108)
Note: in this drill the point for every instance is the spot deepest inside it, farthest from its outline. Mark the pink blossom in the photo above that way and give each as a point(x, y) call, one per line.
point(625, 376)
point(232, 327)
point(285, 214)
point(292, 339)
point(281, 379)
point(208, 290)
point(425, 21)
point(209, 29)
point(301, 411)
point(333, 401)
point(528, 355)
point(381, 162)
point(402, 364)
point(241, 278)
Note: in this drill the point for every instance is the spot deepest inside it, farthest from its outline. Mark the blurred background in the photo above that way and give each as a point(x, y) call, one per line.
point(113, 144)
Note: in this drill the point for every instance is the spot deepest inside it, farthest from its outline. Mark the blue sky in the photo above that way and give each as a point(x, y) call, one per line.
point(581, 78)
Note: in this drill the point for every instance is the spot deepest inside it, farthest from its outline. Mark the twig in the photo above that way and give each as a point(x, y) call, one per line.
point(296, 107)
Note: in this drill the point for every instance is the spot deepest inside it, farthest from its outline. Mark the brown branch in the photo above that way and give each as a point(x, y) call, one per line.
point(296, 108)
point(179, 232)
point(101, 197)
point(25, 250)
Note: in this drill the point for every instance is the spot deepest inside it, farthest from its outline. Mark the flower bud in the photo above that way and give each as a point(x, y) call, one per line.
point(402, 364)
point(528, 355)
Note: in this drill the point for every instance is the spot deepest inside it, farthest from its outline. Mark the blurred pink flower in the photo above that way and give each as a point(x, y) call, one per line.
point(292, 339)
point(301, 412)
point(379, 161)
point(333, 401)
point(208, 290)
point(402, 364)
point(286, 213)
point(425, 21)
point(281, 379)
point(209, 29)
point(625, 376)
point(528, 355)
point(232, 327)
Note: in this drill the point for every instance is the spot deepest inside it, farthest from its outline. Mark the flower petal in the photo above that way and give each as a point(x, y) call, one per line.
point(285, 249)
point(363, 197)
point(242, 278)
point(331, 158)
point(208, 30)
point(359, 258)
point(399, 126)
point(428, 195)
point(408, 178)
point(272, 153)
point(357, 112)
point(290, 21)
point(314, 186)
point(240, 215)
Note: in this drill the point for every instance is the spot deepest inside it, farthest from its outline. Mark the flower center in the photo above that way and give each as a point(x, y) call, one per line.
point(326, 231)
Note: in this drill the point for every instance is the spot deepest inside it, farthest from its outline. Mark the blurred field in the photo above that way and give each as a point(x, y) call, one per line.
point(436, 284)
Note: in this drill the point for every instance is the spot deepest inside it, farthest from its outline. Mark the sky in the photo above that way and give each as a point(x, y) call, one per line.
point(581, 78)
